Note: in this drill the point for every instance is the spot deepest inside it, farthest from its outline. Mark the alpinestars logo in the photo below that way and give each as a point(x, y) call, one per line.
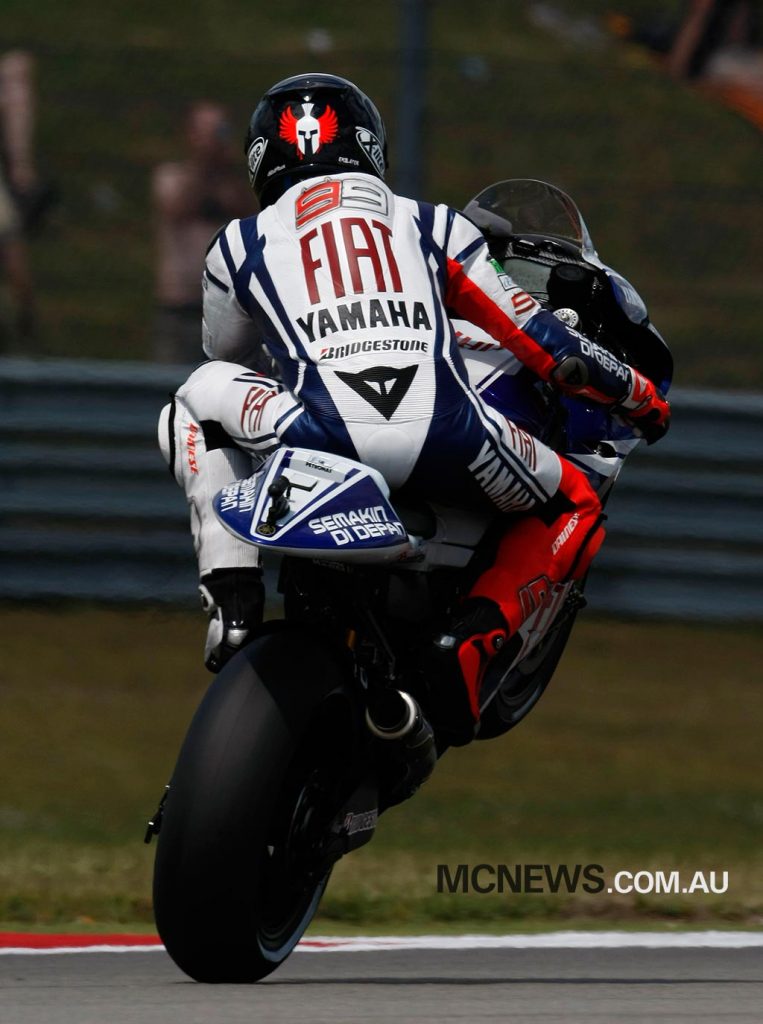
point(307, 132)
point(382, 386)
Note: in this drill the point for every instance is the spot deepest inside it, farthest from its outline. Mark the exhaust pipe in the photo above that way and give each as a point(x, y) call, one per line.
point(395, 715)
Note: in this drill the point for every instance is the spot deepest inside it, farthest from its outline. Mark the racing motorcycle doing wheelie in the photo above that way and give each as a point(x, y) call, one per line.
point(314, 728)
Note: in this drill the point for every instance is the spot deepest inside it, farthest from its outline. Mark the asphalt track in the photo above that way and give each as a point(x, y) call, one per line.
point(570, 985)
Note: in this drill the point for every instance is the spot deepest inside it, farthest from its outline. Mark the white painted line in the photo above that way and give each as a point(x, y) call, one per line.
point(548, 940)
point(58, 950)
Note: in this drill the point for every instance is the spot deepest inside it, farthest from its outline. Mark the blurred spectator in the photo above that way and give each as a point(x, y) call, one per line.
point(716, 44)
point(19, 188)
point(192, 199)
point(710, 27)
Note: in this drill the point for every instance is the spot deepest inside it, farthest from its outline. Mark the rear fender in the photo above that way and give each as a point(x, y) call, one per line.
point(315, 505)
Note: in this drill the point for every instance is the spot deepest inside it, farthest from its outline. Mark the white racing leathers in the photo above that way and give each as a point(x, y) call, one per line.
point(350, 288)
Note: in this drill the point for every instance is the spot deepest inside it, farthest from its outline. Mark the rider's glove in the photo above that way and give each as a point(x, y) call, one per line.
point(646, 408)
point(233, 599)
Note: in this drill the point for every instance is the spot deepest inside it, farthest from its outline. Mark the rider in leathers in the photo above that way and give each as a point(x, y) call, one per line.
point(350, 288)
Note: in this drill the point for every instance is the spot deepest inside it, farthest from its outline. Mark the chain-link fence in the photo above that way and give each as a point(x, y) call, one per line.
point(668, 180)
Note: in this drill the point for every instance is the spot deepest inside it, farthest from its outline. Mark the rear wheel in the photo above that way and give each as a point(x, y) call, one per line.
point(240, 868)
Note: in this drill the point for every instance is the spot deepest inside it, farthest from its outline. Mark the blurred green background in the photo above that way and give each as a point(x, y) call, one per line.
point(669, 181)
point(645, 753)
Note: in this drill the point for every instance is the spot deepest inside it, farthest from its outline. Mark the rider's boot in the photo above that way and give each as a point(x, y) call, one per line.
point(455, 665)
point(554, 544)
point(233, 600)
point(203, 460)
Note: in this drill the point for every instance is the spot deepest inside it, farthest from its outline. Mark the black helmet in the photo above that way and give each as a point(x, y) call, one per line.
point(310, 125)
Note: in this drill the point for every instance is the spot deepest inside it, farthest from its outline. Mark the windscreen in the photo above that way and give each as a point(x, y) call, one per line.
point(529, 207)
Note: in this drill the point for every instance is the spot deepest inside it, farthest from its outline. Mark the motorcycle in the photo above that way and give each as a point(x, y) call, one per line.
point(314, 729)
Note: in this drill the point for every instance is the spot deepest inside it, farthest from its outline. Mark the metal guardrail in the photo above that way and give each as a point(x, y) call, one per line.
point(88, 510)
point(87, 507)
point(684, 519)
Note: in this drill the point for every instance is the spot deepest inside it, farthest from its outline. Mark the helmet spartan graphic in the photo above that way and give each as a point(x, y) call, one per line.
point(310, 125)
point(307, 132)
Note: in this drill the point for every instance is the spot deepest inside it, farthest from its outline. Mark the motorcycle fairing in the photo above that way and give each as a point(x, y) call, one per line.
point(334, 508)
point(539, 225)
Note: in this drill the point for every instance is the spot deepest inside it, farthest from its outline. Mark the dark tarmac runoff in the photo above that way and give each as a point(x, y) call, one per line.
point(573, 986)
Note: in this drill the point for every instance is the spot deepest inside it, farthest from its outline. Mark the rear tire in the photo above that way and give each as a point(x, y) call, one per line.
point(237, 878)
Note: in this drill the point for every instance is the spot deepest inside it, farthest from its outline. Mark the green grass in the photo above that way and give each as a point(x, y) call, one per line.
point(643, 754)
point(668, 180)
